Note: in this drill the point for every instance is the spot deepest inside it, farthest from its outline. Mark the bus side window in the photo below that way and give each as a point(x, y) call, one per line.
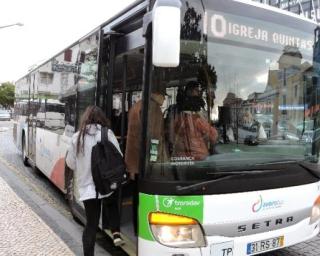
point(87, 79)
point(126, 91)
point(117, 115)
point(70, 117)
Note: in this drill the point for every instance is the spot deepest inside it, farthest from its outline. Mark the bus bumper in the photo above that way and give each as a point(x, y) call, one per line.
point(242, 246)
point(230, 246)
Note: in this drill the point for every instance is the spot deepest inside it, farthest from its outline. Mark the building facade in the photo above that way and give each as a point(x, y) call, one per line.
point(307, 8)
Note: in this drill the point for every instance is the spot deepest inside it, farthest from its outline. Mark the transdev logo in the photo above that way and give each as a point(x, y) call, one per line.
point(261, 205)
point(173, 202)
point(167, 202)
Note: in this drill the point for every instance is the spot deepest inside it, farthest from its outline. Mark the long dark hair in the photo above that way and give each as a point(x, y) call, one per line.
point(92, 115)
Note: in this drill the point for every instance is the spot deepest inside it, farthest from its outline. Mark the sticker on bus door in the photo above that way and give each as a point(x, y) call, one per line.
point(222, 249)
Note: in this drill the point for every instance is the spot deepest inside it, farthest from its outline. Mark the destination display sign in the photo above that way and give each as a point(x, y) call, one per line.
point(256, 32)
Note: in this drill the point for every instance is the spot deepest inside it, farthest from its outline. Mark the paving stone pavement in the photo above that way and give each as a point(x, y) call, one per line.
point(22, 232)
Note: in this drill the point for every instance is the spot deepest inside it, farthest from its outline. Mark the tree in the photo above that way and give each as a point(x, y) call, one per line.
point(192, 34)
point(7, 94)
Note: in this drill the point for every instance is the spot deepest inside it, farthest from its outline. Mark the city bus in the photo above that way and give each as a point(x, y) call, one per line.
point(229, 123)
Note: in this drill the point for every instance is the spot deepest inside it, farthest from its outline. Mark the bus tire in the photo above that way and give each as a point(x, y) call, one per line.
point(69, 181)
point(23, 151)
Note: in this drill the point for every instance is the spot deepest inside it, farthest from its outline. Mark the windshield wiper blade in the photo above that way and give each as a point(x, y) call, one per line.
point(245, 171)
point(202, 186)
point(252, 167)
point(310, 168)
point(182, 190)
point(278, 162)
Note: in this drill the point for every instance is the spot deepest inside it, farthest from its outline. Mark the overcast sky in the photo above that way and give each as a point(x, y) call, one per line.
point(49, 27)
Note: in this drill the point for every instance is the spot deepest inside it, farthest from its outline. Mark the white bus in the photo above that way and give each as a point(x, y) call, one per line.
point(227, 165)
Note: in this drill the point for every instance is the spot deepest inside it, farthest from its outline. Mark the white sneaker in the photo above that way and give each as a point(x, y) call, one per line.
point(117, 239)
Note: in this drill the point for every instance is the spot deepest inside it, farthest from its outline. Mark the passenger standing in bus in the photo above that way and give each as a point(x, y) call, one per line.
point(79, 159)
point(191, 131)
point(134, 128)
point(155, 130)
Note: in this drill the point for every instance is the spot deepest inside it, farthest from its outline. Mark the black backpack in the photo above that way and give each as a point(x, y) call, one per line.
point(107, 166)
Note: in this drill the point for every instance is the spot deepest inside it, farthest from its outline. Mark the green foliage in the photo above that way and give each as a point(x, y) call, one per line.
point(7, 94)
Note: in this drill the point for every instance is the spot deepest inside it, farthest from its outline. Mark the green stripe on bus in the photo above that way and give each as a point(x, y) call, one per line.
point(190, 206)
point(146, 205)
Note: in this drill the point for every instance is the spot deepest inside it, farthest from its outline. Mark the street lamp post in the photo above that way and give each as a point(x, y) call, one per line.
point(10, 25)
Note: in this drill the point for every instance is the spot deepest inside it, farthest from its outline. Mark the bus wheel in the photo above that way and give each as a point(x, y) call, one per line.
point(70, 197)
point(24, 153)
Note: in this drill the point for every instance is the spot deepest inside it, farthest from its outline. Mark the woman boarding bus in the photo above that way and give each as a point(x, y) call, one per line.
point(255, 187)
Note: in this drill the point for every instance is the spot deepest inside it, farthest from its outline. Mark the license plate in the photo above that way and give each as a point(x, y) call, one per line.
point(222, 249)
point(265, 245)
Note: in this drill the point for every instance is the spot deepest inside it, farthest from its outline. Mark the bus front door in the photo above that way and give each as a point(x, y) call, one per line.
point(126, 69)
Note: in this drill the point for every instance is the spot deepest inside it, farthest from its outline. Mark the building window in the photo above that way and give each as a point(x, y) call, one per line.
point(296, 91)
point(46, 78)
point(64, 80)
point(68, 55)
point(284, 100)
point(274, 3)
point(295, 8)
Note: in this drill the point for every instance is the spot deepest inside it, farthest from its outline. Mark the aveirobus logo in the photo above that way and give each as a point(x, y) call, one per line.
point(257, 205)
point(261, 205)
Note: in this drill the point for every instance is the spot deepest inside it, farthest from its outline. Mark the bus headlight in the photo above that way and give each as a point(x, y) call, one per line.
point(315, 213)
point(176, 231)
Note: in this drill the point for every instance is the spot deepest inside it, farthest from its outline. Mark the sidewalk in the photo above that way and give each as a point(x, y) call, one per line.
point(22, 232)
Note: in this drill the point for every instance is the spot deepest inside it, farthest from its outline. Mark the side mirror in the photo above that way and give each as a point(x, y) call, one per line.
point(166, 33)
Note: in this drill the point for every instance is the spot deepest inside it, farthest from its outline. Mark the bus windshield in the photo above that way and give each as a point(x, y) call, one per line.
point(244, 94)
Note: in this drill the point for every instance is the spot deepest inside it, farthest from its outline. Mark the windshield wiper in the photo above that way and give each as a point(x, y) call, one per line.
point(305, 165)
point(251, 167)
point(278, 162)
point(241, 171)
point(310, 168)
point(202, 186)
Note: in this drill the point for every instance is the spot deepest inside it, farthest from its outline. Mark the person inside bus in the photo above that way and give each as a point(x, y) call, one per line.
point(190, 132)
point(155, 130)
point(79, 159)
